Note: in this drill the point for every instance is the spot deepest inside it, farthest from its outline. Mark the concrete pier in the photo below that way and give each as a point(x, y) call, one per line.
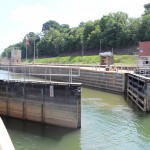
point(138, 90)
point(54, 103)
point(5, 141)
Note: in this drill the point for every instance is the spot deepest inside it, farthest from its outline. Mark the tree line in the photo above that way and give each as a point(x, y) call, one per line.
point(115, 30)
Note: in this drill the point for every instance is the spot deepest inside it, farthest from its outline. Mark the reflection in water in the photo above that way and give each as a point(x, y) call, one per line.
point(108, 122)
point(29, 135)
point(22, 77)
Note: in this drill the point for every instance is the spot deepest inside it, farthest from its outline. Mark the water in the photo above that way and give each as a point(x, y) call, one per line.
point(108, 122)
point(14, 76)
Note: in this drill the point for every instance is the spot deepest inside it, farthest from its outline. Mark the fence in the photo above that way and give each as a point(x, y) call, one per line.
point(24, 73)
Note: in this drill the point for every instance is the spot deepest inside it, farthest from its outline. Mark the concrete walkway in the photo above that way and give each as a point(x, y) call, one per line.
point(5, 141)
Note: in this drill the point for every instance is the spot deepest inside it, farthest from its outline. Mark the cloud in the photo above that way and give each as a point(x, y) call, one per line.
point(10, 39)
point(31, 17)
point(23, 20)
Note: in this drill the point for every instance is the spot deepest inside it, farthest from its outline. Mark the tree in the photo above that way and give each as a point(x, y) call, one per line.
point(113, 28)
point(94, 36)
point(50, 24)
point(144, 30)
point(147, 9)
point(88, 28)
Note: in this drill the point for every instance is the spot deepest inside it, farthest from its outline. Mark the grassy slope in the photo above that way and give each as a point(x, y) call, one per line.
point(118, 59)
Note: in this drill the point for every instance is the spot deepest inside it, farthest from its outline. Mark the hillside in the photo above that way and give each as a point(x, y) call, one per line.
point(128, 60)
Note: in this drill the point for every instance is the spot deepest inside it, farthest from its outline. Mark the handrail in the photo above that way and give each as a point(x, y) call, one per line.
point(26, 71)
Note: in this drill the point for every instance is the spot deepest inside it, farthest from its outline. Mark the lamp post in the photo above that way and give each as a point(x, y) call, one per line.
point(27, 44)
point(33, 38)
point(36, 34)
point(34, 45)
point(34, 51)
point(26, 49)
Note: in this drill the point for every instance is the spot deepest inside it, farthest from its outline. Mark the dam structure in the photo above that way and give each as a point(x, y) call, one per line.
point(53, 96)
point(40, 100)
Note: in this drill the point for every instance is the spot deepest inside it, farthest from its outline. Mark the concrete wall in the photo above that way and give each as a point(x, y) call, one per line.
point(110, 81)
point(57, 104)
point(138, 91)
point(15, 57)
point(105, 80)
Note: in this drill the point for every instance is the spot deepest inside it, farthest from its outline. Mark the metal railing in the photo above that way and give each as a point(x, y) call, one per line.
point(30, 73)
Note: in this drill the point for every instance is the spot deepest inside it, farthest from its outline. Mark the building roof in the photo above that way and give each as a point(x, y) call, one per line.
point(106, 54)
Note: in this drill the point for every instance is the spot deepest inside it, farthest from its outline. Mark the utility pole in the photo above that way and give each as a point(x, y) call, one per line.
point(82, 48)
point(7, 57)
point(37, 53)
point(100, 45)
point(112, 50)
point(27, 44)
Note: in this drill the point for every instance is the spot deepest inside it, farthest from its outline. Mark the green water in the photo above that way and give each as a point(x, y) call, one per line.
point(108, 123)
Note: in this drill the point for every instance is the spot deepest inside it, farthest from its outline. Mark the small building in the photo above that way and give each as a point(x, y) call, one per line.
point(106, 58)
point(144, 49)
point(15, 57)
point(143, 59)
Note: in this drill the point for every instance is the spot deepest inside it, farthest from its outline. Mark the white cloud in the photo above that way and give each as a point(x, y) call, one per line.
point(31, 17)
point(10, 39)
point(23, 20)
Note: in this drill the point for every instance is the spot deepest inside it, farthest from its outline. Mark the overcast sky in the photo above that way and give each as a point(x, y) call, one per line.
point(20, 17)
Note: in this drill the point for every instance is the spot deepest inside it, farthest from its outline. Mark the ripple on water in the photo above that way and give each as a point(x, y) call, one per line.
point(110, 126)
point(108, 123)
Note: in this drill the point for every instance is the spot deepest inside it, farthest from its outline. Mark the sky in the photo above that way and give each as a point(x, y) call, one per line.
point(19, 17)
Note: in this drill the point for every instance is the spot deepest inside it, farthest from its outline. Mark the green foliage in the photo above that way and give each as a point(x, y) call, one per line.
point(71, 60)
point(50, 24)
point(115, 30)
point(124, 60)
point(147, 9)
point(144, 31)
point(7, 51)
point(95, 60)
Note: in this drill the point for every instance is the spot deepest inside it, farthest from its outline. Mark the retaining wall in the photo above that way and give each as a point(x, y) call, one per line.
point(50, 103)
point(106, 80)
point(110, 81)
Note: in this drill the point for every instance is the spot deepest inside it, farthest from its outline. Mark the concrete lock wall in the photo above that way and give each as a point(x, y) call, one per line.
point(42, 102)
point(110, 81)
point(138, 91)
